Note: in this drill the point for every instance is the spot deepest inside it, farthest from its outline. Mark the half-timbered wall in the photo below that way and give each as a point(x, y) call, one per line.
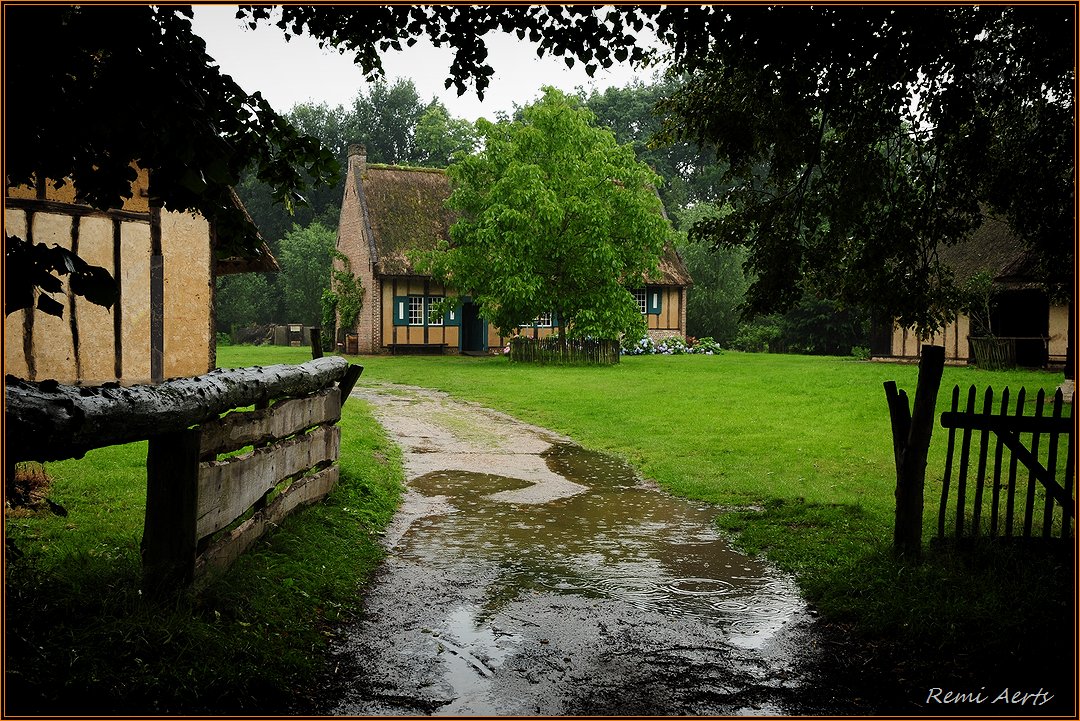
point(410, 333)
point(670, 319)
point(954, 338)
point(161, 326)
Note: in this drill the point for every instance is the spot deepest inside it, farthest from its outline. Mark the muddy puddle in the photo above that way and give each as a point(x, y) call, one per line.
point(575, 588)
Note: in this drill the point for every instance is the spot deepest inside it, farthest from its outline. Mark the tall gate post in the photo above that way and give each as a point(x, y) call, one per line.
point(911, 460)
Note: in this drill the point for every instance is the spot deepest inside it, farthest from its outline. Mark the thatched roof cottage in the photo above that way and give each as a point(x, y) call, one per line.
point(387, 211)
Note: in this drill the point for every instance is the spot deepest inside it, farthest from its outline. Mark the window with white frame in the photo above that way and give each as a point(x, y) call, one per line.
point(544, 320)
point(416, 310)
point(433, 316)
point(642, 302)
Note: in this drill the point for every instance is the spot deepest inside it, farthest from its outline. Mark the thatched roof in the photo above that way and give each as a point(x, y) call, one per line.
point(993, 248)
point(406, 210)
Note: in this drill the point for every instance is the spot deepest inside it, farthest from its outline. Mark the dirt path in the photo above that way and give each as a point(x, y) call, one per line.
point(526, 576)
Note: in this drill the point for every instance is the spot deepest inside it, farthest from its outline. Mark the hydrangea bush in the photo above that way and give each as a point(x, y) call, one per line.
point(670, 346)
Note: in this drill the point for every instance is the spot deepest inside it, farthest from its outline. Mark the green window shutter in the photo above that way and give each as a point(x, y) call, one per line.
point(452, 316)
point(654, 299)
point(401, 310)
point(554, 319)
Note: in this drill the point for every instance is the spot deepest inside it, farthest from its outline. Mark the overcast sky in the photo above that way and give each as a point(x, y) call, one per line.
point(297, 71)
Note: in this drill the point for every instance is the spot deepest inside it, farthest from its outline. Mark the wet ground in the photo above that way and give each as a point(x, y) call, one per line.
point(527, 576)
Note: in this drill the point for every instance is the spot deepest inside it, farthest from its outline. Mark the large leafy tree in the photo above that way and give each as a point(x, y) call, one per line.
point(553, 216)
point(133, 83)
point(439, 136)
point(305, 256)
point(861, 140)
point(690, 172)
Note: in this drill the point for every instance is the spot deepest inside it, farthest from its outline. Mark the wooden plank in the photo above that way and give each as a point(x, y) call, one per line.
point(245, 428)
point(1010, 424)
point(961, 476)
point(227, 489)
point(303, 492)
point(169, 531)
point(1031, 463)
point(900, 418)
point(911, 484)
point(999, 446)
point(1010, 508)
point(943, 508)
point(49, 421)
point(1051, 471)
point(1066, 521)
point(345, 385)
point(980, 476)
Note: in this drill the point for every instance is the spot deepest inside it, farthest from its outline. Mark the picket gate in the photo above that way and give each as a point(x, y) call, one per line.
point(1017, 488)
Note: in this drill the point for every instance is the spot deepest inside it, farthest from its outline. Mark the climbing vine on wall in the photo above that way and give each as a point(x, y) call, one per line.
point(344, 298)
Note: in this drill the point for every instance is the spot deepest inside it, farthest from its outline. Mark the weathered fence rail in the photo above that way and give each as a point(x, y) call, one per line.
point(553, 350)
point(1018, 492)
point(205, 502)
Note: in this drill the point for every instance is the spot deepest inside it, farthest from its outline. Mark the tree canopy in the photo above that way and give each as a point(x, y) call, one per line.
point(883, 134)
point(860, 184)
point(553, 216)
point(134, 84)
point(844, 183)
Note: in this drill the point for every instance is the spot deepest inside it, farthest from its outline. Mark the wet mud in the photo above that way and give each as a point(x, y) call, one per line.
point(528, 576)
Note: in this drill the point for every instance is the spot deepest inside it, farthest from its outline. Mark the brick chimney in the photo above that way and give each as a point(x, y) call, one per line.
point(357, 158)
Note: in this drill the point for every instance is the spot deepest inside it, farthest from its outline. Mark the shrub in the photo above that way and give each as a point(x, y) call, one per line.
point(670, 346)
point(859, 352)
point(705, 346)
point(763, 335)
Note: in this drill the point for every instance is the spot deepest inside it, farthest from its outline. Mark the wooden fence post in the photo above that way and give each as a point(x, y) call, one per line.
point(315, 333)
point(911, 468)
point(168, 543)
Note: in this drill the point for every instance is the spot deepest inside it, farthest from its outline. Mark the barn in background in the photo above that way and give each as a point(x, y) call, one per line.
point(1032, 324)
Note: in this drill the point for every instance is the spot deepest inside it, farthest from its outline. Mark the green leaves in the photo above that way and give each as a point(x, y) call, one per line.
point(553, 215)
point(36, 267)
point(840, 183)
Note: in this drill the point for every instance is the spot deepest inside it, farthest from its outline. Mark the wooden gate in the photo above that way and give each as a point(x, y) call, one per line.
point(1019, 491)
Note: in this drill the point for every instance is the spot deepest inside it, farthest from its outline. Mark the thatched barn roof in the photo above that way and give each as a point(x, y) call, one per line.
point(406, 210)
point(993, 248)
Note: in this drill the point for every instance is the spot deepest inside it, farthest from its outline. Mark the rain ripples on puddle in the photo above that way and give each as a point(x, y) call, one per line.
point(620, 540)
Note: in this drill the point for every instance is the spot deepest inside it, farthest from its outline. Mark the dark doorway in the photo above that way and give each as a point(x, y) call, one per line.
point(1024, 314)
point(473, 329)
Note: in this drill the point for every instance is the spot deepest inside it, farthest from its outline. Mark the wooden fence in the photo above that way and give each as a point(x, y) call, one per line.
point(204, 504)
point(1020, 490)
point(552, 350)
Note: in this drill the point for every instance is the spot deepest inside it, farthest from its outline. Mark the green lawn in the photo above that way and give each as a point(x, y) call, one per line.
point(807, 440)
point(796, 450)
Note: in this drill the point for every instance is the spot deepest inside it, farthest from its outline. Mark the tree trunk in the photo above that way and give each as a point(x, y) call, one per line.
point(48, 421)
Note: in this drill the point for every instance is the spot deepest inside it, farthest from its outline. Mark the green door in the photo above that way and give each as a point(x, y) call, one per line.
point(473, 328)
